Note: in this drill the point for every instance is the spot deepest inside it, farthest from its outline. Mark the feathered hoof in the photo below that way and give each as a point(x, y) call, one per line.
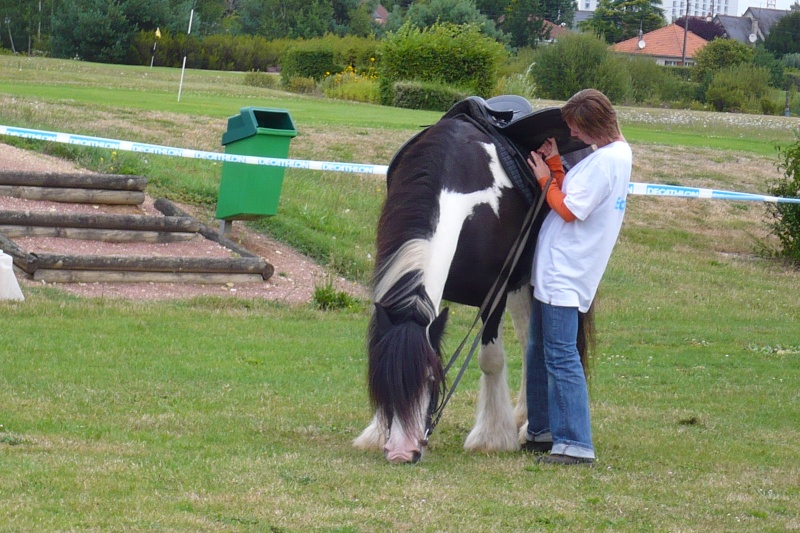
point(487, 442)
point(370, 440)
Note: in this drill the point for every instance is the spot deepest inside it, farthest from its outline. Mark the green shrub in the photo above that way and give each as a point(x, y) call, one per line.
point(327, 298)
point(352, 85)
point(721, 54)
point(791, 61)
point(785, 216)
point(579, 61)
point(256, 78)
point(301, 85)
point(519, 84)
point(217, 52)
point(426, 95)
point(312, 59)
point(650, 81)
point(738, 88)
point(456, 55)
point(792, 78)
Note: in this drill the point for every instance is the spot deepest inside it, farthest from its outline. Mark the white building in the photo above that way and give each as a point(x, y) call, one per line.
point(675, 9)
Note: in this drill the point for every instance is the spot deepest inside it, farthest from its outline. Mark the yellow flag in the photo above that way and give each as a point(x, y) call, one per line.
point(158, 33)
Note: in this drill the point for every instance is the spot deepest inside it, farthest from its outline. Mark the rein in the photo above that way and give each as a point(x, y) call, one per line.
point(488, 306)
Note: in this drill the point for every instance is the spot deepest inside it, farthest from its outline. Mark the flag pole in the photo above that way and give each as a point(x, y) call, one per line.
point(155, 42)
point(183, 68)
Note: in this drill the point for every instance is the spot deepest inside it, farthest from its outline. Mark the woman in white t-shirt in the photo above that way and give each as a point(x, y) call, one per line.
point(572, 252)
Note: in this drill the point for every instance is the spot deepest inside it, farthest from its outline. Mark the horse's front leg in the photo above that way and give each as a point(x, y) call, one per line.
point(495, 429)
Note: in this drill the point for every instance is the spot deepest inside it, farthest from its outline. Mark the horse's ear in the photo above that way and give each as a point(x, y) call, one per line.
point(382, 320)
point(436, 331)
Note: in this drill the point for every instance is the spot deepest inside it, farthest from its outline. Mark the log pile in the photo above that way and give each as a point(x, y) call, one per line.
point(174, 226)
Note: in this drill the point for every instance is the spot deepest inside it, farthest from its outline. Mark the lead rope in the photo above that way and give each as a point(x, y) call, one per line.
point(494, 295)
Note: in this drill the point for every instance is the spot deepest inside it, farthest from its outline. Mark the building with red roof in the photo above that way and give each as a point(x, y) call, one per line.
point(665, 45)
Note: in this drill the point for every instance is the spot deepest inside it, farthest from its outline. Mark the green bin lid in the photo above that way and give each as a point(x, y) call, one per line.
point(253, 120)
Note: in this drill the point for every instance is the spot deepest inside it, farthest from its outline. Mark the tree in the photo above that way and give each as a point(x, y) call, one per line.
point(277, 19)
point(619, 20)
point(784, 36)
point(524, 23)
point(426, 13)
point(493, 9)
point(27, 22)
point(785, 216)
point(719, 54)
point(577, 61)
point(353, 17)
point(93, 30)
point(701, 27)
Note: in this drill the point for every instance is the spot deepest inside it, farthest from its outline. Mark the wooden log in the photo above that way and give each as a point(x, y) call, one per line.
point(99, 221)
point(170, 209)
point(22, 259)
point(104, 276)
point(230, 265)
point(117, 182)
point(75, 196)
point(103, 235)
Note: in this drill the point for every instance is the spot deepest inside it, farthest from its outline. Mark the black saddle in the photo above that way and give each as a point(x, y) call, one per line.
point(516, 130)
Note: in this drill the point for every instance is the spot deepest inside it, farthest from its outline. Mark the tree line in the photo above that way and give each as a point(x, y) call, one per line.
point(112, 31)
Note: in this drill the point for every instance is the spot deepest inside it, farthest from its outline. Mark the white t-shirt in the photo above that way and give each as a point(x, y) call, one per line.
point(570, 257)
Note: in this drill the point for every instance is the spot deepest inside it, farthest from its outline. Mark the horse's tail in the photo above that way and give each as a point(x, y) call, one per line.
point(586, 338)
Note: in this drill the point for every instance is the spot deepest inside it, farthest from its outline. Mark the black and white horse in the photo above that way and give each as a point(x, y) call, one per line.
point(450, 218)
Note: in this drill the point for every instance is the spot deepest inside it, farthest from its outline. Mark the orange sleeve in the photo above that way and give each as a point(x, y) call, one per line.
point(555, 198)
point(556, 168)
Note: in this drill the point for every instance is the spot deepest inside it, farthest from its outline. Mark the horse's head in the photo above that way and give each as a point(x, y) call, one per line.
point(405, 376)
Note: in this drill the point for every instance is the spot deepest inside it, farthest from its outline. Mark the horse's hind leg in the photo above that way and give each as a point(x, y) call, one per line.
point(495, 429)
point(519, 307)
point(373, 438)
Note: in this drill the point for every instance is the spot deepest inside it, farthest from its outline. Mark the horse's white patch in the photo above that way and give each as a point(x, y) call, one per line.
point(454, 209)
point(435, 255)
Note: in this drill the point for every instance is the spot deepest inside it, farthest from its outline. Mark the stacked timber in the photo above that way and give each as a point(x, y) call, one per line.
point(174, 226)
point(99, 227)
point(74, 188)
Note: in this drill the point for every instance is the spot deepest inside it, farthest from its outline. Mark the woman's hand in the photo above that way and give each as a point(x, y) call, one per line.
point(539, 167)
point(548, 149)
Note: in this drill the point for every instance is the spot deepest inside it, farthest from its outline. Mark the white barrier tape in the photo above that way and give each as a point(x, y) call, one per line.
point(646, 189)
point(128, 146)
point(649, 189)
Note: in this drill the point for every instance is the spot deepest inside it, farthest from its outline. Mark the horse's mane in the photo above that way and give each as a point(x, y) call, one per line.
point(403, 346)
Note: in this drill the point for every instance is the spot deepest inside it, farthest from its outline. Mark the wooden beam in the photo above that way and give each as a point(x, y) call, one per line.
point(103, 235)
point(229, 265)
point(117, 182)
point(99, 221)
point(76, 196)
point(22, 259)
point(170, 209)
point(101, 276)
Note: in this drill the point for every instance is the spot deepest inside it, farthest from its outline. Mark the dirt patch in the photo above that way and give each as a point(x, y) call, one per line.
point(294, 281)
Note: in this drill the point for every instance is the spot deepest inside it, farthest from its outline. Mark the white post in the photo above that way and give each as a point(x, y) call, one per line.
point(183, 68)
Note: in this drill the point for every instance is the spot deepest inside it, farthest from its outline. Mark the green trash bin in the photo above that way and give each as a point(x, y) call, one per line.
point(247, 191)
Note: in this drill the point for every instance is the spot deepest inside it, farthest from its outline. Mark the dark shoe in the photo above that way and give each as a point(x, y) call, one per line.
point(559, 459)
point(537, 447)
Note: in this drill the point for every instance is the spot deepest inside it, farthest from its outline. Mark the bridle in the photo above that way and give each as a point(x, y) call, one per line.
point(489, 305)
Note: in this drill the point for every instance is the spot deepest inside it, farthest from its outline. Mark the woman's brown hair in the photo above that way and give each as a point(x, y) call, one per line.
point(591, 111)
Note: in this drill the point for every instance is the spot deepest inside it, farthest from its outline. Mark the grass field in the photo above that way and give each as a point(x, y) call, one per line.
point(235, 415)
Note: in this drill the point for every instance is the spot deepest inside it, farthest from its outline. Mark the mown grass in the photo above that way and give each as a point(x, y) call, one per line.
point(237, 415)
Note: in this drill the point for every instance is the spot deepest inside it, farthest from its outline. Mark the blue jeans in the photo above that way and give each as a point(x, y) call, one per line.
point(558, 397)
